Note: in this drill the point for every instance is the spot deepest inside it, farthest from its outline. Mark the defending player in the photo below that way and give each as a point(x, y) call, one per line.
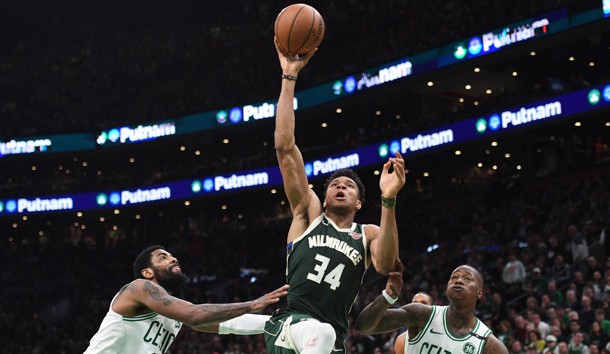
point(144, 317)
point(441, 329)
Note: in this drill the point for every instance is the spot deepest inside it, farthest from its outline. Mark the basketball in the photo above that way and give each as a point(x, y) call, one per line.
point(299, 29)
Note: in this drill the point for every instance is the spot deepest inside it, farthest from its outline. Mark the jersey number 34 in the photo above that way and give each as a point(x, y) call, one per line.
point(333, 277)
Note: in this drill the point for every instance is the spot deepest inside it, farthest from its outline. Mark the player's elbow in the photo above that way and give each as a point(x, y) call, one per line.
point(360, 326)
point(383, 267)
point(284, 143)
point(197, 317)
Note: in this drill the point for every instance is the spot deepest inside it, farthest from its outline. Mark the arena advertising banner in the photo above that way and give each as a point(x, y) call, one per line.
point(504, 121)
point(46, 144)
point(479, 45)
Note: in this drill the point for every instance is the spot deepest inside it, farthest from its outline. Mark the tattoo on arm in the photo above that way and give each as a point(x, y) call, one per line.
point(369, 319)
point(157, 293)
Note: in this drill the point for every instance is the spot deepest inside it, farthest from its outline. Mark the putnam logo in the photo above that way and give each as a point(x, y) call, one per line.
point(426, 141)
point(15, 147)
point(333, 164)
point(47, 204)
point(145, 195)
point(147, 132)
point(391, 73)
point(527, 115)
point(241, 181)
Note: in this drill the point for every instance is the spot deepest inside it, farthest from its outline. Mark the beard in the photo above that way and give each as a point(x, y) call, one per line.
point(168, 279)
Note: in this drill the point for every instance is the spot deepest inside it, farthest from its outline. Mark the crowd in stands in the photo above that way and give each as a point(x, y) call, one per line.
point(541, 246)
point(95, 77)
point(540, 239)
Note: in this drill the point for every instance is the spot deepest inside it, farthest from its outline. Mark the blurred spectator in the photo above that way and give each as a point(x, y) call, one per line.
point(551, 344)
point(542, 327)
point(537, 283)
point(537, 341)
point(597, 335)
point(578, 247)
point(555, 295)
point(577, 345)
point(513, 274)
point(516, 347)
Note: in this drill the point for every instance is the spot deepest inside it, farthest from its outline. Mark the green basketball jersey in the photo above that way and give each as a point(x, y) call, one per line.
point(325, 267)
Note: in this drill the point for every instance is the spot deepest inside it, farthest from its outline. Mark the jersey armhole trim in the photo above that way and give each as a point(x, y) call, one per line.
point(421, 333)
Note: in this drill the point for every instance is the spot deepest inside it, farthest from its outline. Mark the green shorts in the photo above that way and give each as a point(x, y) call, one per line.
point(278, 339)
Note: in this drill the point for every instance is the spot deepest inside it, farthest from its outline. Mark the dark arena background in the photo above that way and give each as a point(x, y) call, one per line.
point(131, 123)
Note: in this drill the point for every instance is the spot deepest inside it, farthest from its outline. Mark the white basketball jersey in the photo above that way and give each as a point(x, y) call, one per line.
point(150, 333)
point(435, 338)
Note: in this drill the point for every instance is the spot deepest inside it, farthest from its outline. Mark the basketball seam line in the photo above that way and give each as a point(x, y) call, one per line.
point(313, 23)
point(294, 19)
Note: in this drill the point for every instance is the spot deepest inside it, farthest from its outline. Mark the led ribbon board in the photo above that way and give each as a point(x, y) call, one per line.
point(507, 120)
point(485, 43)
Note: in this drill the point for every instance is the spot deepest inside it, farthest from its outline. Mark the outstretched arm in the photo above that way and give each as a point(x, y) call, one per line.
point(384, 239)
point(243, 325)
point(289, 157)
point(377, 317)
point(145, 293)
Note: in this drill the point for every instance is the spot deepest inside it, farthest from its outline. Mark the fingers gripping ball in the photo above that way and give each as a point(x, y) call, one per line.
point(299, 29)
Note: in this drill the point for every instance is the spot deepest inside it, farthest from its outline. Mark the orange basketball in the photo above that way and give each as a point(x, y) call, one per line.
point(299, 29)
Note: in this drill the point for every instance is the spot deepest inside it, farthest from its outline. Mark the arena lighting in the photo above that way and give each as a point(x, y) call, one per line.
point(494, 41)
point(449, 136)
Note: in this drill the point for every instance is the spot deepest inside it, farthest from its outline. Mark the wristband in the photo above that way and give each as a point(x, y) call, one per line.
point(388, 202)
point(388, 298)
point(289, 77)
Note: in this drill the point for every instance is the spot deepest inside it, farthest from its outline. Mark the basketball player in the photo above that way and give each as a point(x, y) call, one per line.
point(399, 344)
point(144, 317)
point(441, 329)
point(327, 253)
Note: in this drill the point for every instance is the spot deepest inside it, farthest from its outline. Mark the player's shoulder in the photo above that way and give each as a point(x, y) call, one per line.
point(371, 231)
point(138, 286)
point(494, 346)
point(419, 314)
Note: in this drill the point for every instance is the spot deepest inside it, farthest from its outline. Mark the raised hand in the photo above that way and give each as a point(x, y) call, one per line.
point(394, 284)
point(292, 63)
point(391, 182)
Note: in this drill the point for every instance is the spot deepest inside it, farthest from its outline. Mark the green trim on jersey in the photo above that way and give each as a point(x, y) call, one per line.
point(423, 331)
point(474, 330)
point(483, 345)
point(140, 317)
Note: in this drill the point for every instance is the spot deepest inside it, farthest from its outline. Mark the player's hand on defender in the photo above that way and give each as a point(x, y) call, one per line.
point(292, 63)
point(394, 284)
point(391, 182)
point(269, 298)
